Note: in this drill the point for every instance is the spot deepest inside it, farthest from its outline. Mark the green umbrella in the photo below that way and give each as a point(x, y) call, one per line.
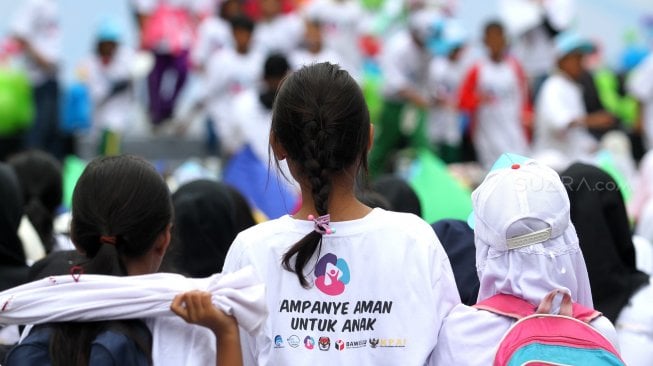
point(440, 194)
point(72, 170)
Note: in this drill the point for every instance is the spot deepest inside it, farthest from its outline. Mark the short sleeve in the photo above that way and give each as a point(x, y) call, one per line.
point(560, 106)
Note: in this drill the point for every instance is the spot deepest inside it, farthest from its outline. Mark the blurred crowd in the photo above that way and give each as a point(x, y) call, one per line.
point(442, 112)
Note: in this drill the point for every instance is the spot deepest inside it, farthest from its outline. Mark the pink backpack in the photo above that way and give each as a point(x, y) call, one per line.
point(539, 338)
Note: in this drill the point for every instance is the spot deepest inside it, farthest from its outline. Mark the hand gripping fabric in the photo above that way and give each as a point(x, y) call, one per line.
point(540, 338)
point(97, 297)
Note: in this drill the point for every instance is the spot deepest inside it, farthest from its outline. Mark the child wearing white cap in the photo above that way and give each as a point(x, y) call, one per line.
point(562, 122)
point(446, 72)
point(109, 79)
point(526, 246)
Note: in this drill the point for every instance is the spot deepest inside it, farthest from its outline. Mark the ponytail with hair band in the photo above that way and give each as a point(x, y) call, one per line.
point(108, 239)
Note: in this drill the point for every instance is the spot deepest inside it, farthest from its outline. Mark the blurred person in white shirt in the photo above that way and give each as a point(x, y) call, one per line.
point(37, 30)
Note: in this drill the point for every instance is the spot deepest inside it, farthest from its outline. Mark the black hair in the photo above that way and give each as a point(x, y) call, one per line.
point(276, 65)
point(122, 198)
point(207, 220)
point(399, 193)
point(321, 120)
point(493, 25)
point(242, 22)
point(39, 175)
point(276, 68)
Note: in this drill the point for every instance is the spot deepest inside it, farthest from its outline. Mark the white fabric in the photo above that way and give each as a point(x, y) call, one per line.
point(644, 227)
point(302, 57)
point(29, 237)
point(519, 16)
point(96, 297)
point(498, 127)
point(280, 34)
point(341, 25)
point(535, 50)
point(115, 113)
point(640, 85)
point(635, 328)
point(643, 190)
point(558, 105)
point(510, 203)
point(37, 21)
point(384, 257)
point(643, 254)
point(228, 74)
point(445, 77)
point(404, 66)
point(213, 34)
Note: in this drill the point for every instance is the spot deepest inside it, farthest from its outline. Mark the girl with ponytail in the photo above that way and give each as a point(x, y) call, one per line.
point(121, 222)
point(338, 273)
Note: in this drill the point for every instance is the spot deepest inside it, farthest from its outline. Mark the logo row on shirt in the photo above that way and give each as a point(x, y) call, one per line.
point(324, 343)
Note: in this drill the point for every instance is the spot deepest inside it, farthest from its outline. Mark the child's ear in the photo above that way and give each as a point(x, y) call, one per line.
point(163, 241)
point(278, 150)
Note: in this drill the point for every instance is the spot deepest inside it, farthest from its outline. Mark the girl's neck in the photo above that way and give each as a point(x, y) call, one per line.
point(343, 204)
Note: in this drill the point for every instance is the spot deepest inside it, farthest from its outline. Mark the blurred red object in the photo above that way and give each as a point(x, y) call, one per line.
point(369, 45)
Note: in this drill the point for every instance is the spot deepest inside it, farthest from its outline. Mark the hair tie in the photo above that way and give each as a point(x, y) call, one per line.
point(322, 224)
point(107, 239)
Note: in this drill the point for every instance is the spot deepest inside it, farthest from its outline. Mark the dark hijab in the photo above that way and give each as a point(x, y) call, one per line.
point(457, 238)
point(208, 216)
point(13, 269)
point(599, 215)
point(11, 212)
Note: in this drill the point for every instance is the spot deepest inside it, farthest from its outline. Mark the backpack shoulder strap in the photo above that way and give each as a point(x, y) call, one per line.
point(584, 314)
point(507, 305)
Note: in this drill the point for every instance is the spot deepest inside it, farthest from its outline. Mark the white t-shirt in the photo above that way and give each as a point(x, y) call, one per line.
point(470, 337)
point(498, 127)
point(640, 85)
point(228, 74)
point(559, 103)
point(303, 57)
point(635, 327)
point(37, 21)
point(114, 113)
point(282, 34)
point(341, 24)
point(445, 77)
point(213, 34)
point(380, 290)
point(404, 65)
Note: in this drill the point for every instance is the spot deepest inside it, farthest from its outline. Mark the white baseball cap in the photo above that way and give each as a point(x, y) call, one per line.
point(519, 206)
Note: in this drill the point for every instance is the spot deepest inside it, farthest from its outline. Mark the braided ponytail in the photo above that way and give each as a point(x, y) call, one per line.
point(321, 119)
point(317, 173)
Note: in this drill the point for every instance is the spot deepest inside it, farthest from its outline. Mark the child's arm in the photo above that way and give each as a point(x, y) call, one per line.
point(196, 307)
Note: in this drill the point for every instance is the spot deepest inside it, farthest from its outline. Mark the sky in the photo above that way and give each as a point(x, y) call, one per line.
point(604, 20)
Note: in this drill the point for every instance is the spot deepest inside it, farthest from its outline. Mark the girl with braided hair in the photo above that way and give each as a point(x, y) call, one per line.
point(373, 285)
